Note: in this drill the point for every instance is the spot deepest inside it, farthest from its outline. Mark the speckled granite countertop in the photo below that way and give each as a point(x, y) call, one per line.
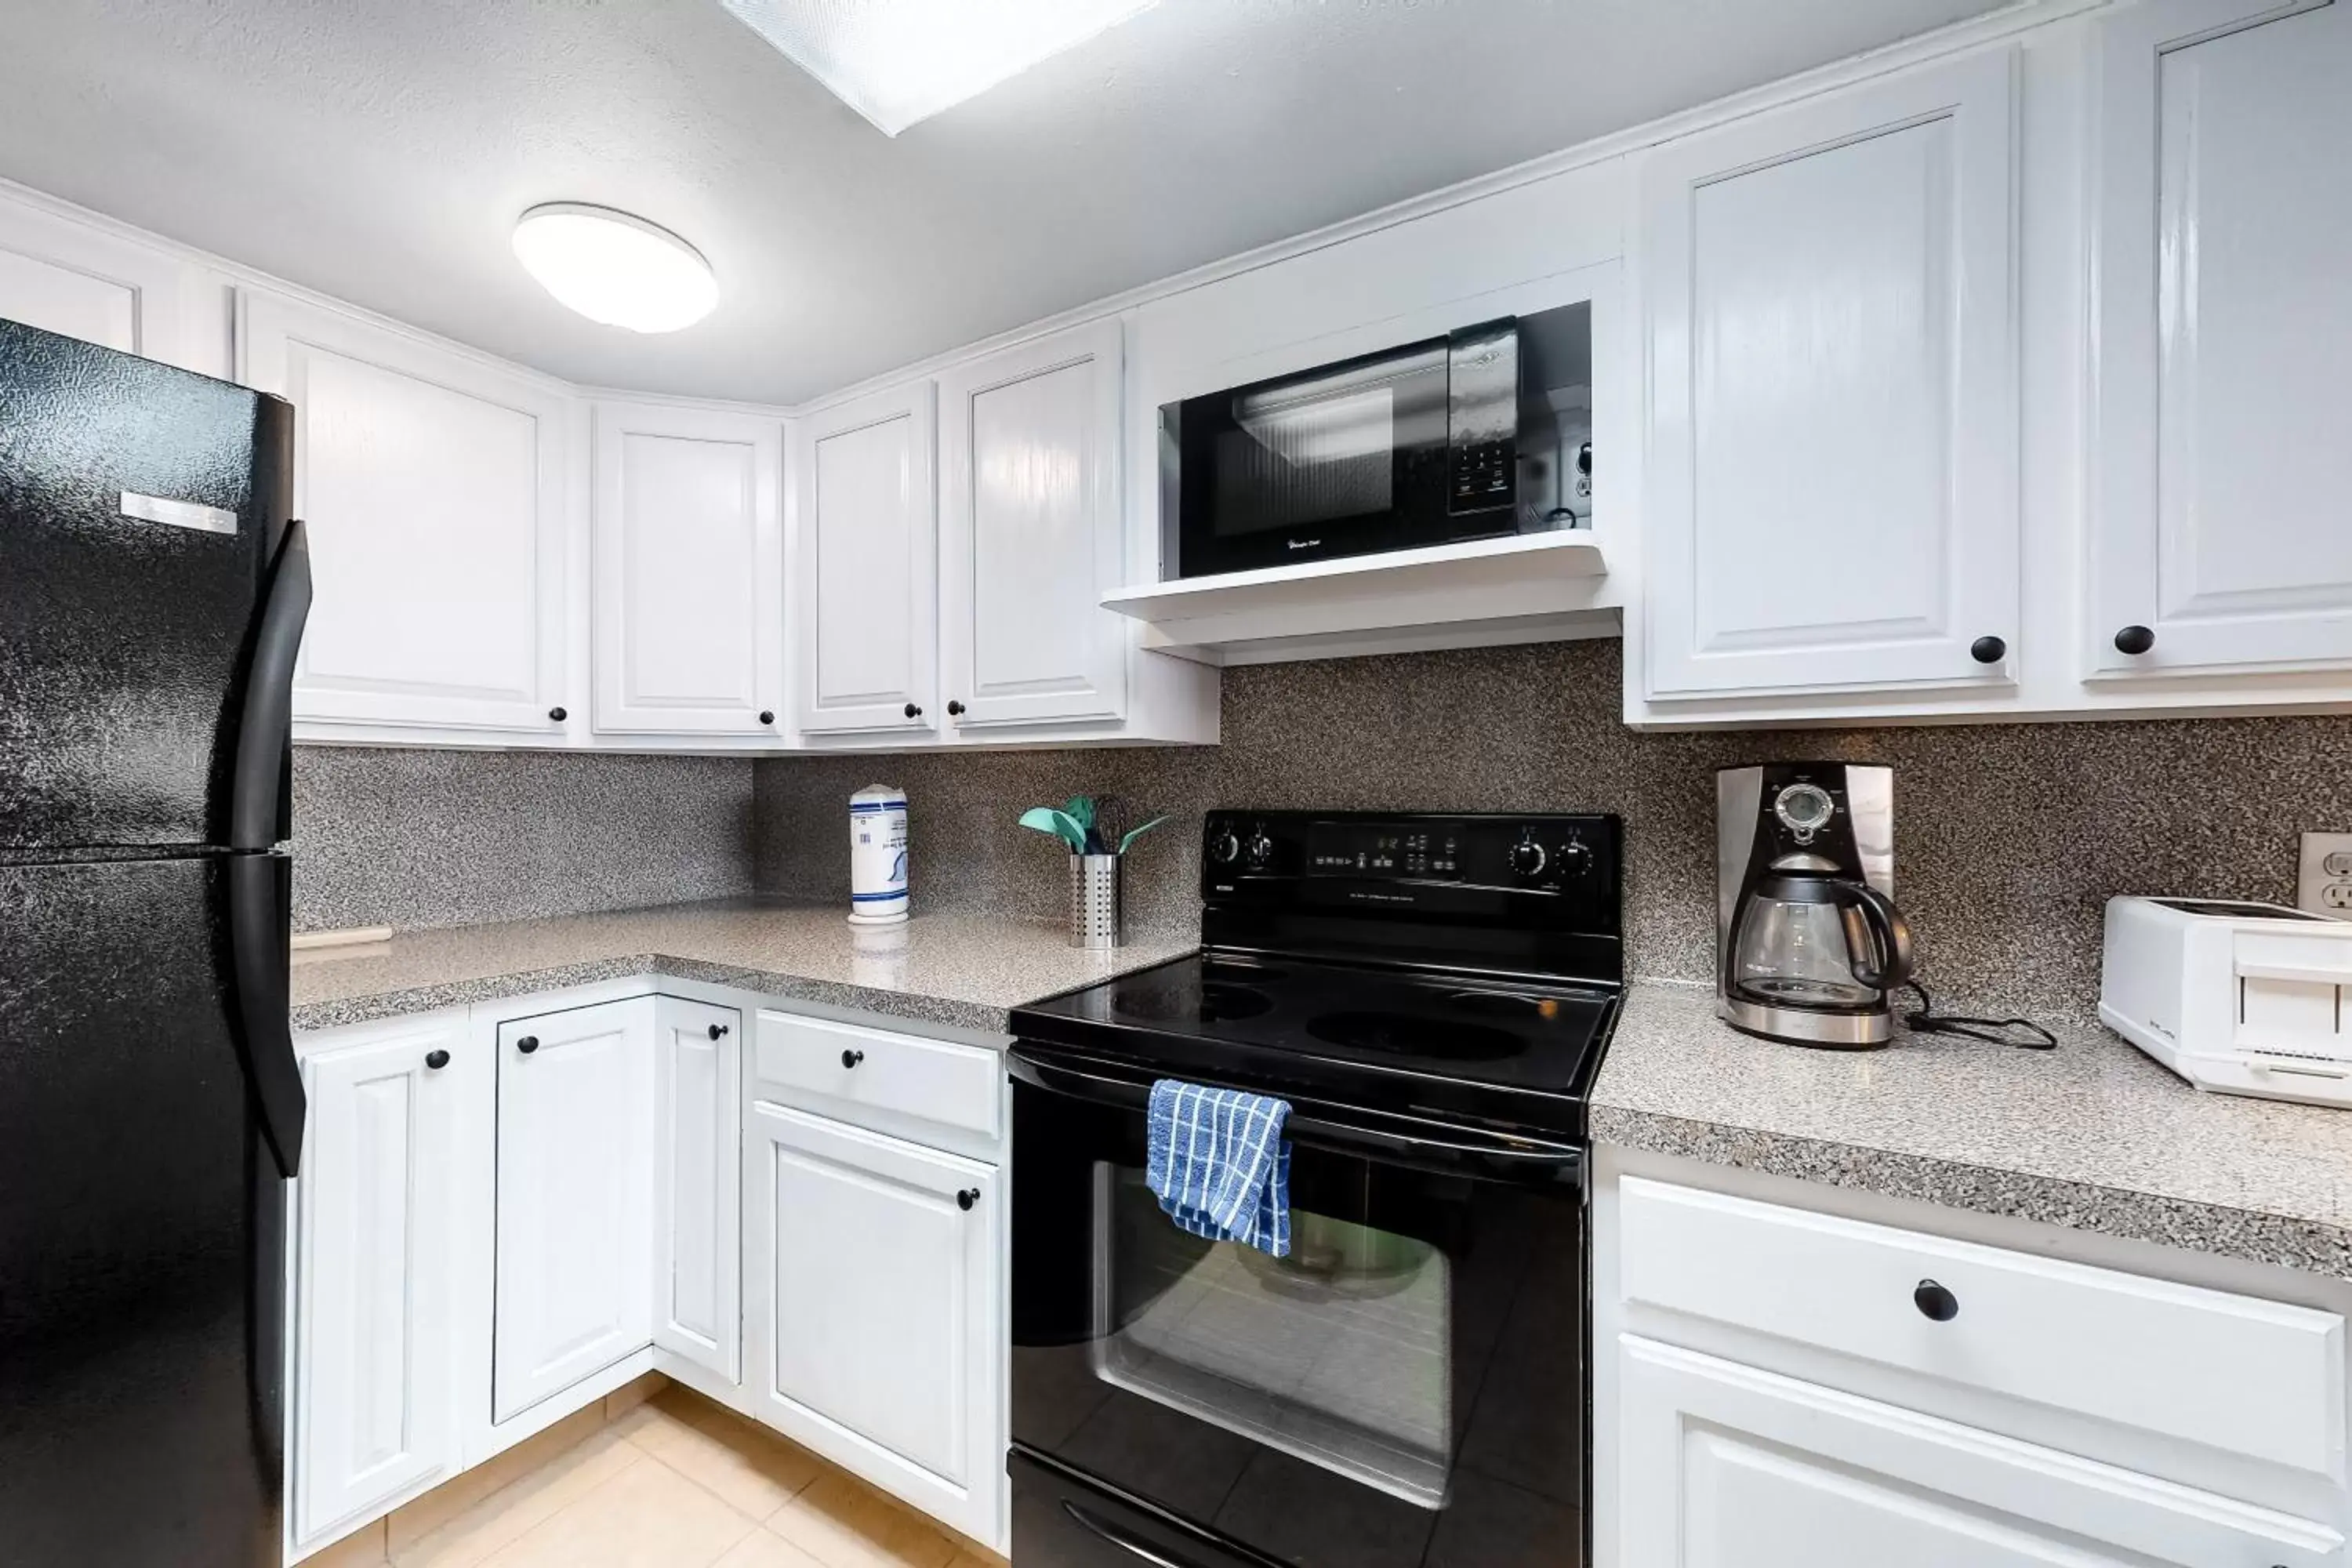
point(967, 971)
point(2092, 1135)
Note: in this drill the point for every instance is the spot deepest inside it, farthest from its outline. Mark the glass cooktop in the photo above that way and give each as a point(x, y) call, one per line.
point(1508, 1050)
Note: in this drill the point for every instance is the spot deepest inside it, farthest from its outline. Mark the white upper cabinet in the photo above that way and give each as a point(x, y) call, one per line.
point(1030, 534)
point(433, 487)
point(68, 278)
point(689, 571)
point(2223, 228)
point(575, 1198)
point(1831, 311)
point(699, 1188)
point(376, 1234)
point(865, 556)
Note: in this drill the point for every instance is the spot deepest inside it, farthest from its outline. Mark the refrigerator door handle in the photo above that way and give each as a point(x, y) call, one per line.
point(259, 889)
point(265, 722)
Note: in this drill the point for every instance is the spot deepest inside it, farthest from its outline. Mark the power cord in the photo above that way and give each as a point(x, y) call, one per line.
point(1998, 1031)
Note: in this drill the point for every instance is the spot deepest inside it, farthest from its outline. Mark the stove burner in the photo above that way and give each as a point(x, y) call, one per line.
point(1218, 1002)
point(1403, 1034)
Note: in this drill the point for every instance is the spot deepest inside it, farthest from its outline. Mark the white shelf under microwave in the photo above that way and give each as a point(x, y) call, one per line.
point(1535, 587)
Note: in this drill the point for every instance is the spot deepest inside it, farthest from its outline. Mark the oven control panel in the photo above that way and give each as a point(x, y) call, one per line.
point(1539, 867)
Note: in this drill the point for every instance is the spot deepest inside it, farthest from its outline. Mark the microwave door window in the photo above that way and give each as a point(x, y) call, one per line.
point(1318, 465)
point(1303, 461)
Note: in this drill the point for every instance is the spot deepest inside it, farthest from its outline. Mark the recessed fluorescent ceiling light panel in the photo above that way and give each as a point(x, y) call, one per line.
point(899, 61)
point(614, 267)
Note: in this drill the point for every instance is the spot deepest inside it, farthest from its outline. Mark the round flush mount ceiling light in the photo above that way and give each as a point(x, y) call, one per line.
point(614, 267)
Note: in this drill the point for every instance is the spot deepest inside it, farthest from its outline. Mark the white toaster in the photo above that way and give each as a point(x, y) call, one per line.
point(2241, 997)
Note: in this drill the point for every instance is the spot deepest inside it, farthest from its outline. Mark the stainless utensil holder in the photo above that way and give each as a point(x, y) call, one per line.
point(1095, 920)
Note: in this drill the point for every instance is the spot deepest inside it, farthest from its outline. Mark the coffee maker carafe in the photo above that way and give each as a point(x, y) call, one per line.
point(1807, 939)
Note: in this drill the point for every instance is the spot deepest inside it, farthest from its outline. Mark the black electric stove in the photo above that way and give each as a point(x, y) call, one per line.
point(1432, 996)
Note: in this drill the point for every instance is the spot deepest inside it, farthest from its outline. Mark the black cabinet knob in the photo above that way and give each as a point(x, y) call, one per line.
point(851, 1059)
point(436, 1060)
point(955, 709)
point(718, 1031)
point(558, 715)
point(1935, 1302)
point(966, 1198)
point(527, 1044)
point(767, 716)
point(2135, 640)
point(914, 711)
point(1989, 650)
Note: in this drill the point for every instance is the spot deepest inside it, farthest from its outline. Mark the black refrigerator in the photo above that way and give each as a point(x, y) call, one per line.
point(153, 589)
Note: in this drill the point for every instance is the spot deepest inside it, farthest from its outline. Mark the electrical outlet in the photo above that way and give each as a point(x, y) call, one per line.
point(2324, 885)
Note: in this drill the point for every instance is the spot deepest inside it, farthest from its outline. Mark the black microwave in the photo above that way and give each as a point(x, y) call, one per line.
point(1484, 432)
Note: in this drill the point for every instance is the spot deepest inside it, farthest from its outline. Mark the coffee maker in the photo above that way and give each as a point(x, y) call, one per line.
point(1807, 939)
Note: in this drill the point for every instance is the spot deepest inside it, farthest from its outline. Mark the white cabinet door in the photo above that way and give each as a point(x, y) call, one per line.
point(866, 554)
point(1030, 538)
point(434, 486)
point(1833, 470)
point(689, 570)
point(65, 276)
point(575, 1191)
point(2220, 464)
point(375, 1257)
point(698, 1184)
point(874, 1300)
point(1722, 1465)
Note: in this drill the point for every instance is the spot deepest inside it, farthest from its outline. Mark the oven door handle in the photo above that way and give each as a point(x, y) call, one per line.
point(1520, 1159)
point(1111, 1535)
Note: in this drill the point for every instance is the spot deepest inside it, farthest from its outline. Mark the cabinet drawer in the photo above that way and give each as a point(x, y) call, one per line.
point(2252, 1377)
point(938, 1081)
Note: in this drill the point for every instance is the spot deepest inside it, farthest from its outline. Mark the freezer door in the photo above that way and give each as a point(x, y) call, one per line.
point(140, 510)
point(142, 1211)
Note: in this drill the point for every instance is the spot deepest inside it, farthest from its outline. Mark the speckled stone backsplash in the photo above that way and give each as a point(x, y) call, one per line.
point(2009, 838)
point(410, 838)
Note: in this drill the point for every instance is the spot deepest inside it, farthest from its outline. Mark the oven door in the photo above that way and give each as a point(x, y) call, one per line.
point(1406, 1389)
point(1340, 461)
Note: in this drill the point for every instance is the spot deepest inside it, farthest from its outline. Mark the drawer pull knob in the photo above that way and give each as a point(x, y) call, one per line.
point(966, 1198)
point(2135, 640)
point(851, 1059)
point(436, 1060)
point(718, 1031)
point(1935, 1302)
point(527, 1044)
point(1989, 650)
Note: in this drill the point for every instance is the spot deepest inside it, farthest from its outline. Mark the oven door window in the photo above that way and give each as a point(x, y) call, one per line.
point(1407, 1388)
point(1337, 1354)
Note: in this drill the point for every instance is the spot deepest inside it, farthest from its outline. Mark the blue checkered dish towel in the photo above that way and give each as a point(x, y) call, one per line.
point(1219, 1164)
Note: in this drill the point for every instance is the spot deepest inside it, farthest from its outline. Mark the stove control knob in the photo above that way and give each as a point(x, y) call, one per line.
point(1574, 857)
point(1225, 848)
point(1528, 857)
point(1261, 850)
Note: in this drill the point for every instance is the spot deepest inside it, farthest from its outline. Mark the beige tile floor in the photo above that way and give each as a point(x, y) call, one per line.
point(673, 1482)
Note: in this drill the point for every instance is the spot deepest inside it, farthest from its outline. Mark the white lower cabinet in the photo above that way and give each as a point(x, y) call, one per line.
point(501, 1217)
point(376, 1229)
point(575, 1198)
point(1777, 1388)
point(1729, 1467)
point(875, 1308)
point(698, 1184)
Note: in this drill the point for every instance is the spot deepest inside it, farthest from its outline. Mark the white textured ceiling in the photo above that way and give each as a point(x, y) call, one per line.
point(380, 150)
